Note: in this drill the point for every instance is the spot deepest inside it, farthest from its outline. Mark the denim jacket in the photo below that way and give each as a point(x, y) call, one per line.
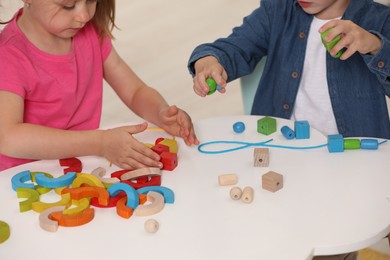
point(279, 30)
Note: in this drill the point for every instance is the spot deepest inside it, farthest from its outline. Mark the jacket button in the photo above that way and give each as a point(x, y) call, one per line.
point(286, 106)
point(302, 35)
point(381, 64)
point(294, 74)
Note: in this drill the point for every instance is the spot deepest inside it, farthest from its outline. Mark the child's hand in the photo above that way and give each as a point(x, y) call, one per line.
point(178, 123)
point(121, 148)
point(208, 67)
point(353, 38)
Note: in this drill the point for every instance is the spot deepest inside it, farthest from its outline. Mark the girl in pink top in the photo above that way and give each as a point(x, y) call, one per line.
point(54, 56)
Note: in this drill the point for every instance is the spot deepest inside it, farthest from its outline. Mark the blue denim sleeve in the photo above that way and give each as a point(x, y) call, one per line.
point(380, 63)
point(243, 48)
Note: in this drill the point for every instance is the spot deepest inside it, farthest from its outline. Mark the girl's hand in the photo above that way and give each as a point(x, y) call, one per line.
point(121, 148)
point(208, 67)
point(178, 123)
point(353, 38)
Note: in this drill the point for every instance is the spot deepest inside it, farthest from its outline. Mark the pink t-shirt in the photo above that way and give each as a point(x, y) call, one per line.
point(59, 91)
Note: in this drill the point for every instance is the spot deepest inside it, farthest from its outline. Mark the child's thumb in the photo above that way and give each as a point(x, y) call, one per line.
point(134, 129)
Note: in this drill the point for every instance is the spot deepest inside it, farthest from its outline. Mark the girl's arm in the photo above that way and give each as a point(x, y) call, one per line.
point(30, 141)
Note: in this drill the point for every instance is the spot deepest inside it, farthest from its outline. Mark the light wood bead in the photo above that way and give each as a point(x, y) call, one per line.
point(151, 225)
point(227, 179)
point(247, 194)
point(272, 181)
point(235, 193)
point(261, 157)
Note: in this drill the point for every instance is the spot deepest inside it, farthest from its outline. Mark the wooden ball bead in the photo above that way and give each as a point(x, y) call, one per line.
point(151, 225)
point(235, 193)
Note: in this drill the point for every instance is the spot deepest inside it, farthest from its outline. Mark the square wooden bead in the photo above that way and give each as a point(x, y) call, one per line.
point(272, 181)
point(261, 157)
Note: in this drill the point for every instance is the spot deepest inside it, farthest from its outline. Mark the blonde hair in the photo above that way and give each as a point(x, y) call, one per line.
point(104, 18)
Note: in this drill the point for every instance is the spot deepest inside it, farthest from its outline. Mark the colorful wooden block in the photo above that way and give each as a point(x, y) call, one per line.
point(272, 181)
point(5, 231)
point(169, 160)
point(72, 164)
point(302, 129)
point(61, 181)
point(132, 195)
point(261, 157)
point(266, 125)
point(40, 206)
point(351, 144)
point(171, 143)
point(142, 172)
point(169, 196)
point(31, 196)
point(160, 148)
point(335, 143)
point(19, 180)
point(73, 220)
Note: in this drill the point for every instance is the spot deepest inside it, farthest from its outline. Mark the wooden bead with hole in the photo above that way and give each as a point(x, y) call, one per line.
point(247, 194)
point(151, 225)
point(235, 193)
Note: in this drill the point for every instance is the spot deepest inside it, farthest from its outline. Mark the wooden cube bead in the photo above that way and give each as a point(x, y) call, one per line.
point(261, 157)
point(272, 181)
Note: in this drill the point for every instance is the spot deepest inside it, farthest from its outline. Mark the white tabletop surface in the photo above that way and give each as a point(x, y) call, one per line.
point(331, 203)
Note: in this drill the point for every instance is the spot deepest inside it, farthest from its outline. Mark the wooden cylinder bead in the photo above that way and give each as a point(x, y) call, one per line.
point(350, 144)
point(235, 193)
point(247, 194)
point(151, 225)
point(227, 179)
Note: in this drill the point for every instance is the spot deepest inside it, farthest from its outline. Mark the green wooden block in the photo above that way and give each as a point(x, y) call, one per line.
point(266, 125)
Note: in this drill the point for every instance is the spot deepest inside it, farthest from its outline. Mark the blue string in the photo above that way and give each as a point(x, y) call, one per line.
point(244, 145)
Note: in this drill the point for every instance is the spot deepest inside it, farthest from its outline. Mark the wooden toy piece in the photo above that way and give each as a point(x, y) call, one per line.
point(126, 212)
point(99, 172)
point(112, 201)
point(159, 148)
point(169, 160)
point(239, 127)
point(41, 190)
point(64, 180)
point(73, 220)
point(157, 204)
point(335, 143)
point(141, 182)
point(82, 205)
point(261, 157)
point(131, 193)
point(369, 144)
point(235, 193)
point(272, 181)
point(171, 143)
point(330, 44)
point(19, 179)
point(88, 191)
point(351, 144)
point(31, 196)
point(169, 196)
point(302, 129)
point(227, 179)
point(151, 226)
point(47, 223)
point(266, 125)
point(287, 132)
point(134, 174)
point(247, 194)
point(74, 165)
point(5, 231)
point(40, 206)
point(88, 179)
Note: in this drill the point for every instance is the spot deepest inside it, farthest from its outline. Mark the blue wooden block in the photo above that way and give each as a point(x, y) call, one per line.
point(131, 193)
point(302, 129)
point(335, 143)
point(169, 196)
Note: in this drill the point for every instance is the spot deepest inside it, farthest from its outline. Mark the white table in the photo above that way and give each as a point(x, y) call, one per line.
point(331, 203)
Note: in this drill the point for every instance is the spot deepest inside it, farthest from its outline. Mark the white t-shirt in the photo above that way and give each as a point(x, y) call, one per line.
point(313, 101)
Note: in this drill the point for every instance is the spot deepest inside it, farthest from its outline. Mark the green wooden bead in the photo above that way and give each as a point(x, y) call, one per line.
point(329, 45)
point(350, 144)
point(212, 85)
